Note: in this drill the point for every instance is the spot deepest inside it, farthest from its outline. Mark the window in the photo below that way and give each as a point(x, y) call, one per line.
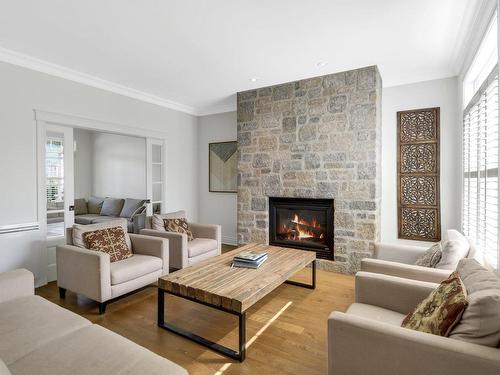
point(54, 174)
point(480, 151)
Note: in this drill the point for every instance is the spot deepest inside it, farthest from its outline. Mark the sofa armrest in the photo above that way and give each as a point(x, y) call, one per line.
point(16, 284)
point(359, 346)
point(390, 292)
point(211, 231)
point(153, 246)
point(177, 244)
point(84, 271)
point(398, 253)
point(408, 271)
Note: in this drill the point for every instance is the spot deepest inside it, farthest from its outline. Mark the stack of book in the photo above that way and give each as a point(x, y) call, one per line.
point(249, 259)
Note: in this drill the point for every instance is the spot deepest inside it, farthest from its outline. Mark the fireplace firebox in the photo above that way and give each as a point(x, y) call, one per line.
point(303, 223)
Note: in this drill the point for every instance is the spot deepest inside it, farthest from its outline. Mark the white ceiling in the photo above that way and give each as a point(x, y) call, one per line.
point(194, 55)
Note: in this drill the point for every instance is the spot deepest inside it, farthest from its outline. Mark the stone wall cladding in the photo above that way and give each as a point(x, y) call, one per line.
point(321, 138)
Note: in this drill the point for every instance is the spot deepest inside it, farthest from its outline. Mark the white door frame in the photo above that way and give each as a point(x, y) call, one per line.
point(46, 118)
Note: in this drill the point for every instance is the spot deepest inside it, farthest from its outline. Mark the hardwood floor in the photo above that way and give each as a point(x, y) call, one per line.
point(286, 331)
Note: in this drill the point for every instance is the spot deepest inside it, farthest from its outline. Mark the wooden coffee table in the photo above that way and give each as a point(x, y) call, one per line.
point(216, 284)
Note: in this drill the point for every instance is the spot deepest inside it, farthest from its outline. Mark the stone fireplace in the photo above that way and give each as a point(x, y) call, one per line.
point(317, 138)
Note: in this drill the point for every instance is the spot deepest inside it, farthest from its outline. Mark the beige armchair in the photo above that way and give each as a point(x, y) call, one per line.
point(368, 339)
point(184, 253)
point(397, 260)
point(91, 273)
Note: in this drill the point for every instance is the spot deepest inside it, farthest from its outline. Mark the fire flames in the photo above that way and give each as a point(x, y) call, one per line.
point(300, 229)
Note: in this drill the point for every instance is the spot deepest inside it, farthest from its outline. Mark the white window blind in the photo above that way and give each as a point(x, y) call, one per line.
point(480, 162)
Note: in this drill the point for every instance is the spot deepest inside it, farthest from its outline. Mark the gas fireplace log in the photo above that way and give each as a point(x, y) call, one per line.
point(310, 228)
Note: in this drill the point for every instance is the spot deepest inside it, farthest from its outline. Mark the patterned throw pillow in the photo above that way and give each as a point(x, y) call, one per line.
point(441, 310)
point(178, 226)
point(108, 240)
point(431, 257)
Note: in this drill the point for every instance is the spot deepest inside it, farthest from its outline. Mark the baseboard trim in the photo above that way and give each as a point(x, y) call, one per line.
point(229, 240)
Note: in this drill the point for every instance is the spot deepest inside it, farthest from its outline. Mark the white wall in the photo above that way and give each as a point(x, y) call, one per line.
point(83, 162)
point(441, 93)
point(118, 166)
point(217, 208)
point(21, 91)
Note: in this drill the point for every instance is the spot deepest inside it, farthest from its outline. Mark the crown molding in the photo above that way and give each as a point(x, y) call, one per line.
point(16, 58)
point(473, 27)
point(216, 109)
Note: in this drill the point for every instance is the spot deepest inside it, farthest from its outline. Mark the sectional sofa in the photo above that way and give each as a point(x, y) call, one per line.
point(99, 210)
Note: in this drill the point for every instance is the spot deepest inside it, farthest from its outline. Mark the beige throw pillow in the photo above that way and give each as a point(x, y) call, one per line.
point(80, 229)
point(480, 323)
point(455, 248)
point(431, 257)
point(157, 219)
point(441, 310)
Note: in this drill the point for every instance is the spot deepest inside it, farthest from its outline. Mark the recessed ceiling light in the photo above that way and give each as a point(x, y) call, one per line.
point(253, 79)
point(321, 64)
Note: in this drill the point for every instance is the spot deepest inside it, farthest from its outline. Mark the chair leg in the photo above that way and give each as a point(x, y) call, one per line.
point(102, 308)
point(62, 293)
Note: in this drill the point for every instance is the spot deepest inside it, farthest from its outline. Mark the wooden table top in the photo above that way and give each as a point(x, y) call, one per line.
point(216, 283)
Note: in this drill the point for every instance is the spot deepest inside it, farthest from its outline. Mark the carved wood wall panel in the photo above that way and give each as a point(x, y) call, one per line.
point(419, 214)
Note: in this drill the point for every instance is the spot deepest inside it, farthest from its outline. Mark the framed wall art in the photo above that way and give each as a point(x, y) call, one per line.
point(419, 214)
point(223, 167)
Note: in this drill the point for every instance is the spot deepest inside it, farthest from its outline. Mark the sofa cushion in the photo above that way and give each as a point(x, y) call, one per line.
point(103, 219)
point(94, 205)
point(480, 323)
point(108, 240)
point(28, 323)
point(376, 313)
point(431, 257)
point(200, 246)
point(79, 230)
point(136, 266)
point(97, 351)
point(157, 219)
point(178, 226)
point(455, 248)
point(81, 206)
point(112, 207)
point(441, 310)
point(131, 206)
point(86, 219)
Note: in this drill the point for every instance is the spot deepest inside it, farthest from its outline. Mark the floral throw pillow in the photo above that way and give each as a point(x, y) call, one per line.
point(431, 257)
point(178, 226)
point(108, 240)
point(441, 310)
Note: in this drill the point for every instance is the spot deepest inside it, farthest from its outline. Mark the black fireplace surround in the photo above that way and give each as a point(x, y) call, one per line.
point(302, 223)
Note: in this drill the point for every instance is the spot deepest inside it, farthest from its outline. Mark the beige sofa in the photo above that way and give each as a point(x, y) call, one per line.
point(92, 274)
point(184, 253)
point(39, 337)
point(368, 339)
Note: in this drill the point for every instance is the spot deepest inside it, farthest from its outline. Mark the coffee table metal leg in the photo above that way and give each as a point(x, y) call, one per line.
point(304, 285)
point(240, 356)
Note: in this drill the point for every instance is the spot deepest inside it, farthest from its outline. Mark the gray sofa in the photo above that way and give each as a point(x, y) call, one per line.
point(99, 210)
point(39, 337)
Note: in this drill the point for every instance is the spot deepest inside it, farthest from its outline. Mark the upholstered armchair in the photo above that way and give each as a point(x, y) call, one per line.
point(398, 260)
point(184, 253)
point(92, 274)
point(368, 337)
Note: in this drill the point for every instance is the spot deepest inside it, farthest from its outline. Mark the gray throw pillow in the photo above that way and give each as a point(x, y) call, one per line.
point(81, 207)
point(480, 323)
point(131, 206)
point(431, 257)
point(112, 207)
point(94, 205)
